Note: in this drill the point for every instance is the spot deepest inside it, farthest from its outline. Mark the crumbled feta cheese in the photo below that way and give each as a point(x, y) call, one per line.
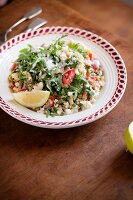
point(58, 53)
point(40, 73)
point(86, 104)
point(38, 86)
point(75, 109)
point(63, 56)
point(59, 111)
point(65, 48)
point(49, 64)
point(76, 71)
point(70, 94)
point(88, 62)
point(96, 64)
point(68, 111)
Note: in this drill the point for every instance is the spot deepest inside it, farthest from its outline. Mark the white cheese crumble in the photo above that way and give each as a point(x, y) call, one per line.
point(86, 104)
point(49, 64)
point(68, 111)
point(96, 64)
point(38, 86)
point(70, 94)
point(88, 62)
point(63, 56)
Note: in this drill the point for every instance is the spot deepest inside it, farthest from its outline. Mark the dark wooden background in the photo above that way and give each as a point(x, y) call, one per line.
point(116, 16)
point(83, 163)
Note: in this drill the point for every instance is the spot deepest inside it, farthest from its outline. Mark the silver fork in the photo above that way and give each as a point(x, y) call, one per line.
point(29, 15)
point(37, 23)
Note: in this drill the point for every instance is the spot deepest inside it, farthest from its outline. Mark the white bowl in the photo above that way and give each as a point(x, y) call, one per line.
point(112, 63)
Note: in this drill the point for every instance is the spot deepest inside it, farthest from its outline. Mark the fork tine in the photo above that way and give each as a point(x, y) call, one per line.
point(37, 23)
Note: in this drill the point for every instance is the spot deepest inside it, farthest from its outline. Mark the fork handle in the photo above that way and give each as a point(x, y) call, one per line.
point(29, 15)
point(16, 24)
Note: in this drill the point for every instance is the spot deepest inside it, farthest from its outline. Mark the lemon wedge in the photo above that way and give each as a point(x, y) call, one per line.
point(129, 137)
point(32, 99)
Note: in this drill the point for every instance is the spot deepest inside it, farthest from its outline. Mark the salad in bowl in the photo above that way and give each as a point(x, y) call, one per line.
point(61, 78)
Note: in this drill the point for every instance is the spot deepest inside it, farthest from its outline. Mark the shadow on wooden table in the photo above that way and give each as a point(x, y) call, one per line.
point(15, 133)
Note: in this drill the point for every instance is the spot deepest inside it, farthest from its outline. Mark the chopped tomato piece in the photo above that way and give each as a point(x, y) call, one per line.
point(92, 77)
point(90, 56)
point(22, 90)
point(87, 77)
point(94, 67)
point(51, 101)
point(68, 77)
point(93, 80)
point(13, 67)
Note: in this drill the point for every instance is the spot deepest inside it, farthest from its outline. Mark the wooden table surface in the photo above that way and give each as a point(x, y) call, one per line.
point(114, 15)
point(83, 163)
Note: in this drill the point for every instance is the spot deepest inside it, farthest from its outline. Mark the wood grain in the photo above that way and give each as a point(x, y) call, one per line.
point(114, 15)
point(83, 163)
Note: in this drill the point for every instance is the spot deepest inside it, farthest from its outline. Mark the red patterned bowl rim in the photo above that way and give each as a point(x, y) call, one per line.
point(120, 66)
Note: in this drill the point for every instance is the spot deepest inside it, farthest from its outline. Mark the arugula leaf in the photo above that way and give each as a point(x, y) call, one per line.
point(78, 48)
point(71, 63)
point(22, 77)
point(54, 84)
point(79, 79)
point(56, 46)
point(88, 89)
point(74, 46)
point(50, 111)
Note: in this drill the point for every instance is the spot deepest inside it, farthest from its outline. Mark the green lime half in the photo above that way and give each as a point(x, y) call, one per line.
point(129, 137)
